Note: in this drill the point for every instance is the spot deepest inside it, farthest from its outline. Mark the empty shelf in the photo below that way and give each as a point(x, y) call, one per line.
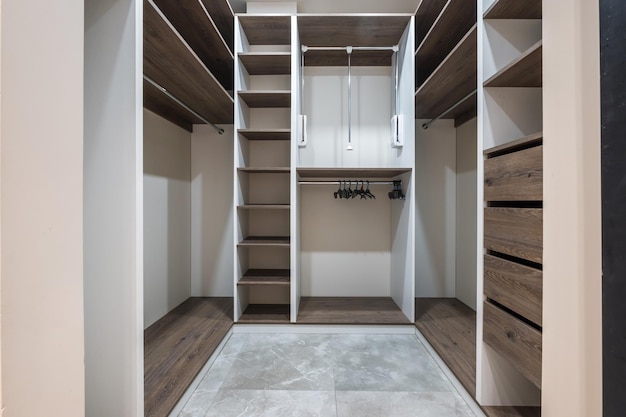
point(350, 310)
point(267, 30)
point(525, 71)
point(265, 206)
point(278, 241)
point(265, 170)
point(265, 277)
point(266, 134)
point(425, 16)
point(265, 314)
point(261, 98)
point(514, 9)
point(343, 173)
point(266, 63)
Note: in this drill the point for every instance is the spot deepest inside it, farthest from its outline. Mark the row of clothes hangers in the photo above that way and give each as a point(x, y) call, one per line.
point(346, 191)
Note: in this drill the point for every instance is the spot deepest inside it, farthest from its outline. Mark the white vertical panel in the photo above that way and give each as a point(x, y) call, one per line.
point(113, 208)
point(293, 187)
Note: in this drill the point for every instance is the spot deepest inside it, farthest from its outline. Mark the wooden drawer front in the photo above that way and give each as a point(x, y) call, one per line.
point(515, 286)
point(517, 176)
point(514, 340)
point(515, 231)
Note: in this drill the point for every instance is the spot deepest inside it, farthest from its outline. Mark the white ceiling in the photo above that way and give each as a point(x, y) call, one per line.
point(341, 6)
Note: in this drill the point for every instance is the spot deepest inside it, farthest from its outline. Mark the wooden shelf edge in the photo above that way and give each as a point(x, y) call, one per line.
point(266, 134)
point(511, 66)
point(265, 170)
point(525, 141)
point(529, 8)
point(279, 241)
point(341, 173)
point(281, 277)
point(265, 206)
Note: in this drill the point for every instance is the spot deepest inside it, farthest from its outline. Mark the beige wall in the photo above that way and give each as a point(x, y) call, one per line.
point(572, 337)
point(41, 208)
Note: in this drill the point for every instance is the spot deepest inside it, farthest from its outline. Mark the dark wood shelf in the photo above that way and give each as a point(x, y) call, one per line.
point(425, 16)
point(265, 277)
point(350, 310)
point(452, 24)
point(266, 98)
point(346, 173)
point(222, 15)
point(267, 30)
point(197, 28)
point(161, 104)
point(265, 207)
point(265, 170)
point(265, 134)
point(265, 314)
point(278, 241)
point(171, 63)
point(266, 63)
point(450, 82)
point(350, 29)
point(524, 71)
point(525, 142)
point(514, 9)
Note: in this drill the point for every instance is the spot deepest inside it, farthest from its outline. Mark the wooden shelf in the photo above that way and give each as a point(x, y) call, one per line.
point(158, 102)
point(525, 71)
point(197, 28)
point(350, 310)
point(454, 21)
point(514, 9)
point(265, 207)
point(265, 277)
point(267, 30)
point(346, 173)
point(425, 16)
point(222, 15)
point(263, 98)
point(453, 79)
point(277, 241)
point(171, 63)
point(266, 63)
point(265, 314)
point(265, 170)
point(518, 144)
point(265, 134)
point(351, 30)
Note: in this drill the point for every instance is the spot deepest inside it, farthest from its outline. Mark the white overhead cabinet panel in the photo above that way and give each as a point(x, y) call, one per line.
point(315, 96)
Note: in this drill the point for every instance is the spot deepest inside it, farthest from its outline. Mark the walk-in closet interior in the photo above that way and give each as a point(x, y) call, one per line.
point(358, 164)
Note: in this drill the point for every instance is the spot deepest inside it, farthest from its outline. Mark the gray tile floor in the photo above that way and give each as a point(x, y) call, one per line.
point(326, 375)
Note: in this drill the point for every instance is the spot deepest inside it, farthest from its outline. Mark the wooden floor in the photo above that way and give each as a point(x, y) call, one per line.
point(350, 310)
point(450, 328)
point(177, 346)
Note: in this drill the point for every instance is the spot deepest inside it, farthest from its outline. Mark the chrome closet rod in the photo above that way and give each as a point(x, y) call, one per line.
point(346, 181)
point(448, 110)
point(345, 48)
point(183, 105)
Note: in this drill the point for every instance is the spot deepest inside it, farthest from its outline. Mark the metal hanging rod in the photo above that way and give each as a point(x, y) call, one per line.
point(394, 48)
point(346, 181)
point(183, 105)
point(448, 110)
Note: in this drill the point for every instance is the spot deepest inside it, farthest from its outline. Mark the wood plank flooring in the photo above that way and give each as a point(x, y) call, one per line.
point(177, 346)
point(350, 310)
point(450, 328)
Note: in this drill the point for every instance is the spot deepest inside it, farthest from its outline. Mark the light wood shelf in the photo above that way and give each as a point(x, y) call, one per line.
point(171, 63)
point(266, 134)
point(276, 241)
point(266, 98)
point(346, 173)
point(451, 81)
point(265, 277)
point(524, 71)
point(454, 21)
point(514, 9)
point(266, 63)
point(266, 30)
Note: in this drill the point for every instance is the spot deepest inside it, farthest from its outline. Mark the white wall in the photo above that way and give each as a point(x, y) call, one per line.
point(435, 220)
point(466, 136)
point(113, 207)
point(167, 216)
point(41, 208)
point(212, 212)
point(572, 259)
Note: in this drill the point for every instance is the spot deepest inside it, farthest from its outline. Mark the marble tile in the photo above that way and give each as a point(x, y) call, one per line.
point(400, 404)
point(198, 404)
point(385, 363)
point(248, 403)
